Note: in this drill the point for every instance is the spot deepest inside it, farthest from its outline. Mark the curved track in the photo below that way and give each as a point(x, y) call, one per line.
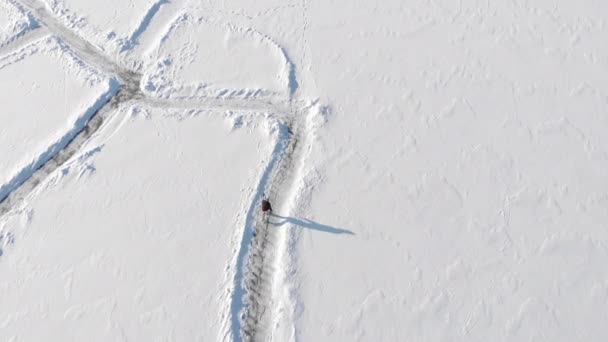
point(252, 300)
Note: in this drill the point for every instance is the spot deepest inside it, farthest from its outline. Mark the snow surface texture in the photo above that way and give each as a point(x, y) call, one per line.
point(446, 182)
point(468, 153)
point(114, 25)
point(151, 247)
point(42, 111)
point(232, 61)
point(13, 22)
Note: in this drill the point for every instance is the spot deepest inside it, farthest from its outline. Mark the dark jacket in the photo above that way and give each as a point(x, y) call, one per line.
point(266, 206)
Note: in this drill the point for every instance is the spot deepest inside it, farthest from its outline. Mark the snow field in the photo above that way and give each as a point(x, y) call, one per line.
point(469, 158)
point(13, 22)
point(200, 57)
point(113, 25)
point(154, 242)
point(454, 188)
point(43, 111)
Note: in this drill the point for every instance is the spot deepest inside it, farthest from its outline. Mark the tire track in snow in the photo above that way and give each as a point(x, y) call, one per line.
point(266, 250)
point(252, 299)
point(247, 300)
point(84, 49)
point(72, 146)
point(259, 266)
point(127, 90)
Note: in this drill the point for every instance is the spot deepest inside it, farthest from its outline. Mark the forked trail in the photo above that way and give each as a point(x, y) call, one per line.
point(259, 261)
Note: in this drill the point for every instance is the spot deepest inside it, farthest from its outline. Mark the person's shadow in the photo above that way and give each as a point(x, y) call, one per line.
point(306, 223)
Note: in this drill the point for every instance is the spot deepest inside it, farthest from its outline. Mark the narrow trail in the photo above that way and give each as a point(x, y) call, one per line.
point(263, 242)
point(85, 50)
point(265, 254)
point(253, 302)
point(23, 40)
point(129, 92)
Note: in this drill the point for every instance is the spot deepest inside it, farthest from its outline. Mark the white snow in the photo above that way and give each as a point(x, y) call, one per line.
point(148, 256)
point(203, 57)
point(13, 22)
point(457, 154)
point(114, 25)
point(47, 96)
point(437, 170)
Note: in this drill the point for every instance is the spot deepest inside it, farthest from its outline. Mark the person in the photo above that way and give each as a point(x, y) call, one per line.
point(266, 207)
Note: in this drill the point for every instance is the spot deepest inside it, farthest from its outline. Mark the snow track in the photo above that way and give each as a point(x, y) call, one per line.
point(140, 219)
point(268, 245)
point(92, 89)
point(263, 246)
point(253, 302)
point(53, 159)
point(19, 23)
point(129, 91)
point(250, 295)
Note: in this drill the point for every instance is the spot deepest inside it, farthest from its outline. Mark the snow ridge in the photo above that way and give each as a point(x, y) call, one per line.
point(111, 41)
point(143, 25)
point(21, 22)
point(287, 304)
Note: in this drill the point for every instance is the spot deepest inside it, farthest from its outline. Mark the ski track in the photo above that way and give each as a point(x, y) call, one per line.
point(251, 297)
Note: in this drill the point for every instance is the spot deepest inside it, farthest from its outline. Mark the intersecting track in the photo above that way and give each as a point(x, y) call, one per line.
point(252, 297)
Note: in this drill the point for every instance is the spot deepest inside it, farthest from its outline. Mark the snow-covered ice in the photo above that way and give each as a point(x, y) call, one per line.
point(48, 94)
point(149, 255)
point(437, 171)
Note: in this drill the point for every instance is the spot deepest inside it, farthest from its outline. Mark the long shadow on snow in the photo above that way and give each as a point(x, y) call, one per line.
point(308, 224)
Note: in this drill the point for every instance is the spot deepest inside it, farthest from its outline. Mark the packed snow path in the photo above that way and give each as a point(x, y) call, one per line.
point(262, 243)
point(252, 301)
point(468, 152)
